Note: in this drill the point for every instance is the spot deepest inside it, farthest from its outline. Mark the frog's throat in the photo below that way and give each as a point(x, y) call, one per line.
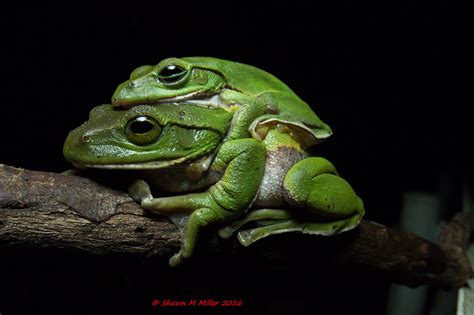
point(195, 98)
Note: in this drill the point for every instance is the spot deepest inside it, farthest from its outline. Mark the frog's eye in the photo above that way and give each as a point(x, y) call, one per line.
point(142, 130)
point(172, 74)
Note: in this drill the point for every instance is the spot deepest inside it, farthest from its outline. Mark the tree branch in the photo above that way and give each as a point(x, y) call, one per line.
point(48, 210)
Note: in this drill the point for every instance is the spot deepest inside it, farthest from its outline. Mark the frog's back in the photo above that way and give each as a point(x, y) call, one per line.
point(283, 105)
point(242, 77)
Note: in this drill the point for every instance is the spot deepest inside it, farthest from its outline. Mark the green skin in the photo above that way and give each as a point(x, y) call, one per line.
point(232, 134)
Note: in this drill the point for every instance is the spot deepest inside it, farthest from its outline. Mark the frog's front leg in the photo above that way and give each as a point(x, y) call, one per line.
point(244, 161)
point(246, 108)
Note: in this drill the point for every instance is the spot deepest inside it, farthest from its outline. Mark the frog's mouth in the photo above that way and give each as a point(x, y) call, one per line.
point(196, 98)
point(153, 165)
point(193, 169)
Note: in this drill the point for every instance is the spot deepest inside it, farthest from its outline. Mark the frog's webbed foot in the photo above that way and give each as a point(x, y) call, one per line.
point(140, 191)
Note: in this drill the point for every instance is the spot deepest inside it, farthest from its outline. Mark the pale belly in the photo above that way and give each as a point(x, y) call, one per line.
point(271, 192)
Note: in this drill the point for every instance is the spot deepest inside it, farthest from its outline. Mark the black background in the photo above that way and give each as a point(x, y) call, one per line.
point(387, 79)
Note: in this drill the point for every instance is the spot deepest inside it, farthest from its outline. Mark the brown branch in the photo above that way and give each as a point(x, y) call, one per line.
point(39, 209)
point(407, 258)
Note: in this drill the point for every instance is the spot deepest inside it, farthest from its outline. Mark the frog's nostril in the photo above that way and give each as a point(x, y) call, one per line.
point(131, 84)
point(86, 138)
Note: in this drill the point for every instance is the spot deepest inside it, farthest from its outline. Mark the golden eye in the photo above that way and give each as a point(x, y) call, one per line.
point(142, 130)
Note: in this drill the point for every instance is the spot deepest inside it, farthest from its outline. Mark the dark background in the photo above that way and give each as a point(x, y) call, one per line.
point(387, 79)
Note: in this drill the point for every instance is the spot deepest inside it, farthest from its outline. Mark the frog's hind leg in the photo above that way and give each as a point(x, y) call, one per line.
point(313, 184)
point(250, 236)
point(263, 216)
point(327, 203)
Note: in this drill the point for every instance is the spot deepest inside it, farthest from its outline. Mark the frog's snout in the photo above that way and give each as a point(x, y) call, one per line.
point(123, 92)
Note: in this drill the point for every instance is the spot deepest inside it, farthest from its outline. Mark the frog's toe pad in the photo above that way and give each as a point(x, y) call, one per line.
point(176, 260)
point(139, 191)
point(226, 232)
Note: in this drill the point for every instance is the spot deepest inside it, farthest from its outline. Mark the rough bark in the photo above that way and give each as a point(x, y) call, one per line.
point(40, 209)
point(49, 210)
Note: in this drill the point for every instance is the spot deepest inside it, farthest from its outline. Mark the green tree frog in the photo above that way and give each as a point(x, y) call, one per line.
point(226, 142)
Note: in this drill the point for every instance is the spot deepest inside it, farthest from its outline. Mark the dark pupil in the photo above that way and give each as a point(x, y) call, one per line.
point(141, 126)
point(171, 73)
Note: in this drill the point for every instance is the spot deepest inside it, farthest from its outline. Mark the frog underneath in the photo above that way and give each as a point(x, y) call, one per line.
point(228, 140)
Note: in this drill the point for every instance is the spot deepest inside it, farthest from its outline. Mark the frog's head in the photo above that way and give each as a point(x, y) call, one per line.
point(172, 80)
point(146, 137)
